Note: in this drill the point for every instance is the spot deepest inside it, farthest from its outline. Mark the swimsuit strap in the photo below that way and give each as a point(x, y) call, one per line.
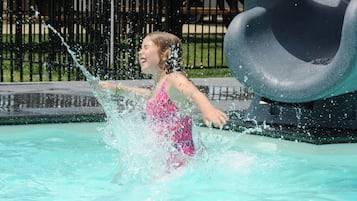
point(163, 85)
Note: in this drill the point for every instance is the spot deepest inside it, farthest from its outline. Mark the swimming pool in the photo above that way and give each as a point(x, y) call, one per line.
point(75, 162)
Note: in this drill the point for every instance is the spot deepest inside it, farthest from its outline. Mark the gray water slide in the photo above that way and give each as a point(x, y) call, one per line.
point(295, 51)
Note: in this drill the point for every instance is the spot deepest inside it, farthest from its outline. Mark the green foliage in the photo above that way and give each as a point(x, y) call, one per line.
point(202, 57)
point(208, 72)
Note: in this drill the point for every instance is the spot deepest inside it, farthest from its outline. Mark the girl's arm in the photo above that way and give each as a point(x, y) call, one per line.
point(188, 89)
point(126, 89)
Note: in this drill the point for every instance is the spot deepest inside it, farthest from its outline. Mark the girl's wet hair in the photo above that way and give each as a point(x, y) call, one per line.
point(170, 50)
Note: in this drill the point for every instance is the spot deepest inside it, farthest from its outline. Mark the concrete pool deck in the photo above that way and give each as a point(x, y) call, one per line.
point(61, 102)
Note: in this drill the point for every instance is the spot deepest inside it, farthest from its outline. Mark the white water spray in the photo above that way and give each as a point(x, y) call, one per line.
point(141, 157)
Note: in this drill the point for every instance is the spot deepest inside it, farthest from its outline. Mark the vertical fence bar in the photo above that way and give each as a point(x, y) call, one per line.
point(40, 49)
point(173, 18)
point(202, 42)
point(209, 32)
point(111, 48)
point(69, 24)
point(78, 7)
point(148, 16)
point(225, 23)
point(158, 14)
point(131, 35)
point(51, 41)
point(93, 36)
point(60, 62)
point(116, 37)
point(58, 15)
point(11, 38)
point(18, 39)
point(107, 33)
point(62, 55)
point(215, 36)
point(97, 50)
point(87, 25)
point(124, 42)
point(2, 42)
point(30, 47)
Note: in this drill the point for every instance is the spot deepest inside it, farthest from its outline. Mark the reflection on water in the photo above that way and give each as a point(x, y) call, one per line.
point(225, 93)
point(17, 102)
point(10, 103)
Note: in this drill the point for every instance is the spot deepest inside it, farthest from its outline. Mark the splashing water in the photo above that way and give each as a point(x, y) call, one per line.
point(73, 54)
point(90, 78)
point(141, 157)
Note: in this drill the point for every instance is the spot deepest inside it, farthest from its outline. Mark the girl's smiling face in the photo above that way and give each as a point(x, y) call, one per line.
point(149, 57)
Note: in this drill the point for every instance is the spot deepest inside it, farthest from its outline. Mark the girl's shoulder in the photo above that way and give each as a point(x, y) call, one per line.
point(179, 82)
point(176, 78)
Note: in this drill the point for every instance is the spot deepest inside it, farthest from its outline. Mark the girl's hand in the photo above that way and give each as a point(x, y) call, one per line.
point(215, 117)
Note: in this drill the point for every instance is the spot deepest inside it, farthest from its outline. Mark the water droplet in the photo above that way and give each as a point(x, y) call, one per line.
point(245, 78)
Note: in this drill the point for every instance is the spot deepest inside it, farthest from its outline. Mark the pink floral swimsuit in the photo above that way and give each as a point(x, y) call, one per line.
point(166, 119)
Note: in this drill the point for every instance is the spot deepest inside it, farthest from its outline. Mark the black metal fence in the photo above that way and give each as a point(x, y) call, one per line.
point(106, 35)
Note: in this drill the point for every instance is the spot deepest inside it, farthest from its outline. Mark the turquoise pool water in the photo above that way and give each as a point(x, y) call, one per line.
point(75, 162)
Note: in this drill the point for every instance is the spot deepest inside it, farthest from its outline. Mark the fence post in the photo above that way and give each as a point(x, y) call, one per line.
point(18, 39)
point(111, 48)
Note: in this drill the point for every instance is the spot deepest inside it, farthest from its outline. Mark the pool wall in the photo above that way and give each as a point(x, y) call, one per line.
point(65, 102)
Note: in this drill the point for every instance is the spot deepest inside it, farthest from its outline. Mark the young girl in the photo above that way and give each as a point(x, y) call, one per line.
point(168, 105)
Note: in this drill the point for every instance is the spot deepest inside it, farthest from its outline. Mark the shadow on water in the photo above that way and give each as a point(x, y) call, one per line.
point(17, 102)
